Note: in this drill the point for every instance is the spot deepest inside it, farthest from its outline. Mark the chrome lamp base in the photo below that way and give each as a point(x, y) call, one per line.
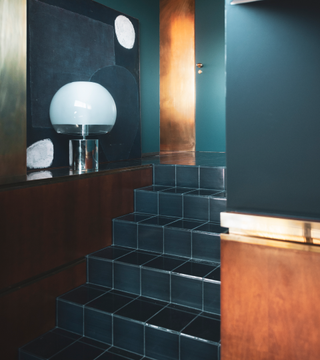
point(84, 155)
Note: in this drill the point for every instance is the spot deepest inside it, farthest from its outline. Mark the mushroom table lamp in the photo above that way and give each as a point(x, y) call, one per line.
point(83, 108)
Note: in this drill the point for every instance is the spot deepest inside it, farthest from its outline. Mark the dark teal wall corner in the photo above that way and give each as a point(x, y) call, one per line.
point(273, 108)
point(210, 85)
point(147, 12)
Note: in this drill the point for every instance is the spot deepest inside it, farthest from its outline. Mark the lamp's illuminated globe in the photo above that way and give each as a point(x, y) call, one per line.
point(83, 108)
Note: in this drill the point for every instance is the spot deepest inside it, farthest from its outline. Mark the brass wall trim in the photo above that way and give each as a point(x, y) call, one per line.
point(269, 227)
point(271, 243)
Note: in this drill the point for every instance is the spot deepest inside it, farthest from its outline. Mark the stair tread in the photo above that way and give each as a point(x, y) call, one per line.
point(158, 261)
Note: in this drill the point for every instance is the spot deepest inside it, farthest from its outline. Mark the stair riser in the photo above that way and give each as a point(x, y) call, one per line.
point(134, 336)
point(198, 293)
point(190, 176)
point(180, 205)
point(168, 240)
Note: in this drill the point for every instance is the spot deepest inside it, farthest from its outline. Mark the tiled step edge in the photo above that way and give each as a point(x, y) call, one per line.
point(167, 278)
point(188, 238)
point(143, 326)
point(192, 203)
point(207, 177)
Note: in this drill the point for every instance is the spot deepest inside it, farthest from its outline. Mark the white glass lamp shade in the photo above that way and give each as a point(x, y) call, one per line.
point(82, 108)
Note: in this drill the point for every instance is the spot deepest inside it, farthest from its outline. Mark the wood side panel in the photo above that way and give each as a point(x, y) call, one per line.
point(269, 303)
point(47, 226)
point(31, 311)
point(243, 302)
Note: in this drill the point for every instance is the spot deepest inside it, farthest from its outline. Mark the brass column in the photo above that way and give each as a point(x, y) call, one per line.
point(13, 51)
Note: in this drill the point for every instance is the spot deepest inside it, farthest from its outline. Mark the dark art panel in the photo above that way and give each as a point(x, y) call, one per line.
point(77, 41)
point(124, 89)
point(64, 47)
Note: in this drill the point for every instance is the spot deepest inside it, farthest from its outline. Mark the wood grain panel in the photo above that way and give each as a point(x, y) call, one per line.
point(269, 303)
point(47, 226)
point(29, 312)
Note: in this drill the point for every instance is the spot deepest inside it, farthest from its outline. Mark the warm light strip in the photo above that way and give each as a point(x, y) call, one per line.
point(272, 227)
point(270, 243)
point(236, 2)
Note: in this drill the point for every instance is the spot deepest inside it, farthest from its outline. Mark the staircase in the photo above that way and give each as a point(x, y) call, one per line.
point(155, 293)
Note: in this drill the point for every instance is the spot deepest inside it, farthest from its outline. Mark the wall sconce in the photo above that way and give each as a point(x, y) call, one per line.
point(83, 108)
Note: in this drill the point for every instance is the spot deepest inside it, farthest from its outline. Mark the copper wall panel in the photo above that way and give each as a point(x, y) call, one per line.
point(269, 302)
point(44, 227)
point(13, 87)
point(177, 75)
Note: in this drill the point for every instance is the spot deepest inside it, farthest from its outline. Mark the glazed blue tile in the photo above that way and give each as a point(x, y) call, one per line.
point(66, 333)
point(211, 296)
point(70, 316)
point(81, 295)
point(178, 190)
point(138, 257)
point(185, 224)
point(166, 263)
point(220, 194)
point(25, 356)
point(146, 201)
point(191, 349)
point(141, 309)
point(210, 315)
point(186, 291)
point(216, 207)
point(177, 241)
point(127, 354)
point(150, 238)
point(214, 275)
point(160, 220)
point(205, 246)
point(212, 228)
point(110, 302)
point(95, 343)
point(128, 334)
point(187, 176)
point(127, 278)
point(212, 177)
point(125, 234)
point(155, 284)
point(161, 344)
point(155, 188)
point(195, 268)
point(98, 325)
point(110, 253)
point(185, 309)
point(110, 356)
point(172, 318)
point(79, 351)
point(204, 328)
point(46, 346)
point(133, 217)
point(100, 272)
point(196, 207)
point(170, 204)
point(203, 192)
point(164, 175)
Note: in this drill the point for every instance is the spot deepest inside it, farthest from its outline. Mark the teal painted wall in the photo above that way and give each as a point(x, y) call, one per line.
point(147, 12)
point(273, 108)
point(210, 85)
